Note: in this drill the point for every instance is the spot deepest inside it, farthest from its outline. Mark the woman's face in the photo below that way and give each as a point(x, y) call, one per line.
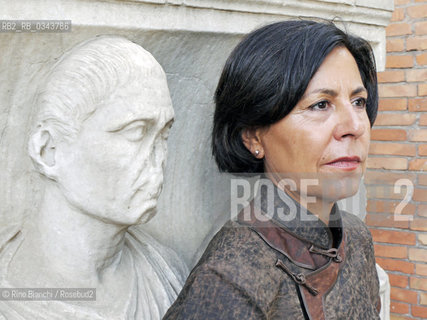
point(326, 136)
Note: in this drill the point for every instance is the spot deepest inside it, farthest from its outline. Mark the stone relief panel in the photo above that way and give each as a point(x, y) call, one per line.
point(192, 201)
point(101, 117)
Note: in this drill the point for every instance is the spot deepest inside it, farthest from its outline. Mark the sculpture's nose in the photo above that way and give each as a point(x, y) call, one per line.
point(157, 156)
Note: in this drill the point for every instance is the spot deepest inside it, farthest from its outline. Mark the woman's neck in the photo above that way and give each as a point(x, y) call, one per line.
point(321, 209)
point(316, 205)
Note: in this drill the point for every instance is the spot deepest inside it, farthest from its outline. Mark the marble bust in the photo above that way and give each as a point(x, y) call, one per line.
point(99, 143)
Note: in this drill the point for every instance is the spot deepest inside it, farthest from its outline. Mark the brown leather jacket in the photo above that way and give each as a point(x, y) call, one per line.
point(268, 266)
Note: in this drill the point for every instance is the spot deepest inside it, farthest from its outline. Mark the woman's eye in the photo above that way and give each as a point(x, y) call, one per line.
point(360, 102)
point(322, 105)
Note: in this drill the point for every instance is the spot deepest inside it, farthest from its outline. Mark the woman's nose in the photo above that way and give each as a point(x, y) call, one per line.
point(349, 122)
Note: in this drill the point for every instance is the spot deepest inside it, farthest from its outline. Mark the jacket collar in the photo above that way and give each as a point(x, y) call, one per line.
point(297, 220)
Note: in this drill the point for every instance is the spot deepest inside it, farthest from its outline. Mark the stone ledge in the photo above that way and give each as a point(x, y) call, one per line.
point(279, 6)
point(361, 17)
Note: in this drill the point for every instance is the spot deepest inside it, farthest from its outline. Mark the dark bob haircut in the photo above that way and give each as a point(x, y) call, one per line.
point(265, 77)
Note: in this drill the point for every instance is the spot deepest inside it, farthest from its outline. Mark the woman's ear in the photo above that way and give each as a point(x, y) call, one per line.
point(42, 150)
point(252, 140)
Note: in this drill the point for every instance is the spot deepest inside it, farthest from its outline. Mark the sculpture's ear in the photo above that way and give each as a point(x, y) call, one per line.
point(41, 148)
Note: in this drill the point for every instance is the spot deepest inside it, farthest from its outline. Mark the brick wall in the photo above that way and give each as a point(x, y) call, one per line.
point(399, 151)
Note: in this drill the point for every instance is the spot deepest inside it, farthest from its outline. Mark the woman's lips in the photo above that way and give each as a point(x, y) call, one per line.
point(345, 163)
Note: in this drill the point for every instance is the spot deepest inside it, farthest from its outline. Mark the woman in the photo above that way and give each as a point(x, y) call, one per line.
point(295, 102)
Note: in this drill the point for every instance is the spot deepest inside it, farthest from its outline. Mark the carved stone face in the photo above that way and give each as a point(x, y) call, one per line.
point(113, 169)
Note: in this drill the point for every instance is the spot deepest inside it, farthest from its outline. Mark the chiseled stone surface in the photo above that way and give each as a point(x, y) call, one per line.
point(102, 117)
